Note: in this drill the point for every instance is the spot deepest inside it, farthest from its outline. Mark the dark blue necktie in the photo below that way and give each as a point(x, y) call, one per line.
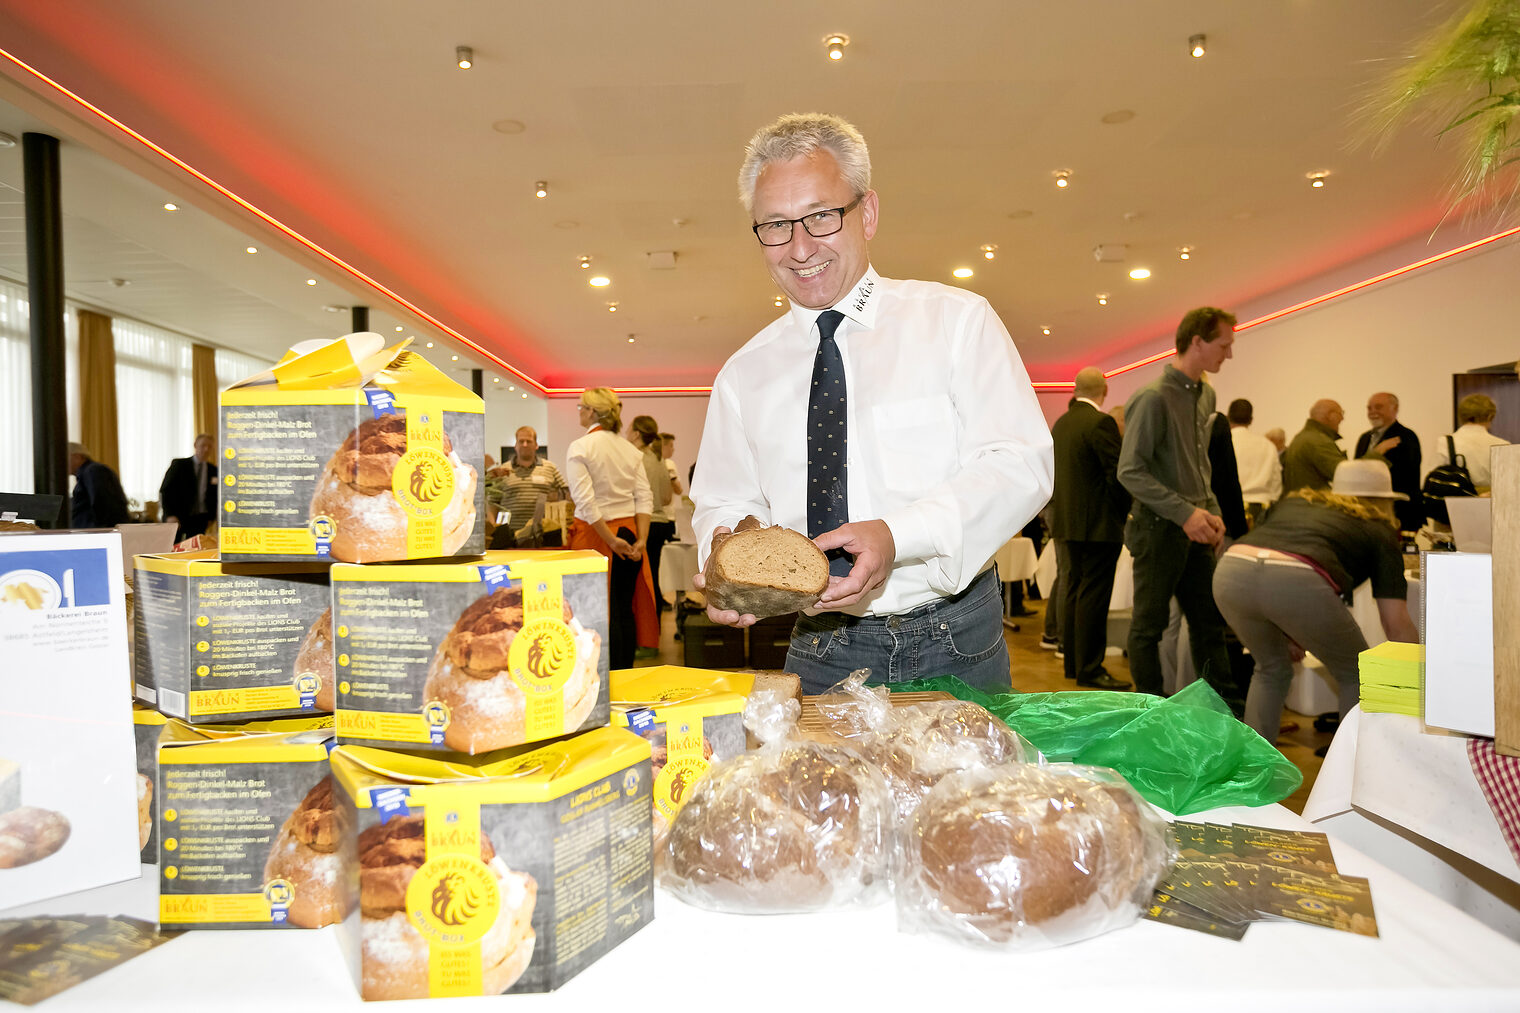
point(828, 439)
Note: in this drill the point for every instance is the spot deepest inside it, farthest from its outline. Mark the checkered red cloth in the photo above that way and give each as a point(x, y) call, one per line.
point(1499, 777)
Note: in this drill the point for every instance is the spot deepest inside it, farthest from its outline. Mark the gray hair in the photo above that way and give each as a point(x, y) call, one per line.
point(798, 135)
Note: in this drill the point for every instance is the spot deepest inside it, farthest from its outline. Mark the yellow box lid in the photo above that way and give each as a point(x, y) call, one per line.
point(145, 715)
point(336, 373)
point(672, 682)
point(208, 563)
point(470, 571)
point(536, 775)
point(280, 740)
point(668, 690)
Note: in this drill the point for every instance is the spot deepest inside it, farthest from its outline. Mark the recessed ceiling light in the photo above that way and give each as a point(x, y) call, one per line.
point(541, 189)
point(612, 307)
point(1195, 45)
point(1118, 116)
point(334, 309)
point(599, 281)
point(430, 344)
point(630, 339)
point(464, 56)
point(1139, 273)
point(511, 387)
point(585, 262)
point(171, 206)
point(780, 301)
point(1063, 178)
point(962, 272)
point(251, 249)
point(1102, 298)
point(525, 397)
point(1044, 330)
point(834, 44)
point(399, 327)
point(311, 281)
point(989, 250)
point(1184, 253)
point(509, 126)
point(496, 379)
point(1317, 178)
point(453, 358)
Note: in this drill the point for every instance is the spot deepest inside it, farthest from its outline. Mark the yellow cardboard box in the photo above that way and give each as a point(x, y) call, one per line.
point(348, 450)
point(478, 878)
point(692, 719)
point(471, 657)
point(247, 826)
point(147, 723)
point(227, 642)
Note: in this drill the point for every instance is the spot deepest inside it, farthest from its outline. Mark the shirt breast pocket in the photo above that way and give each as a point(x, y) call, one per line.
point(915, 443)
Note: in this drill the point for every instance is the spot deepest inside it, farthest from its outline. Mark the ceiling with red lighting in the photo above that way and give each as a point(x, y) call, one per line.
point(366, 158)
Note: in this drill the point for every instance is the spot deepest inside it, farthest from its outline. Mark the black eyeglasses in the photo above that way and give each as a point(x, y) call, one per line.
point(818, 225)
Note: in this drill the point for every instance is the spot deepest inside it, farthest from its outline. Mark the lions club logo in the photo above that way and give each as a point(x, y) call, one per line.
point(453, 900)
point(423, 482)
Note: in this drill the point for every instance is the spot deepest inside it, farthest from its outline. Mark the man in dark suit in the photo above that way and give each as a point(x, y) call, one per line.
point(1087, 512)
point(98, 500)
point(1400, 447)
point(187, 495)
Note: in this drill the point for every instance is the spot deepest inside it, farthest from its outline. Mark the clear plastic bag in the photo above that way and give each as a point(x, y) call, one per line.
point(917, 745)
point(1025, 857)
point(793, 826)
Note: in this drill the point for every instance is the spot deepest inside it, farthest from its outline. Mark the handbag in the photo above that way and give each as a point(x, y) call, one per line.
point(1446, 480)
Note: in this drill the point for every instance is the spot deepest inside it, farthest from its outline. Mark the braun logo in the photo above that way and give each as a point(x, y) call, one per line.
point(864, 296)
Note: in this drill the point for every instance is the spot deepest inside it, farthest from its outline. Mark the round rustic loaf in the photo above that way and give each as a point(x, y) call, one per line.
point(764, 571)
point(1027, 857)
point(795, 827)
point(305, 854)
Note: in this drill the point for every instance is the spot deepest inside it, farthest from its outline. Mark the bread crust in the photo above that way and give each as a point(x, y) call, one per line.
point(354, 491)
point(730, 585)
point(395, 956)
point(305, 854)
point(144, 810)
point(316, 656)
point(469, 675)
point(30, 834)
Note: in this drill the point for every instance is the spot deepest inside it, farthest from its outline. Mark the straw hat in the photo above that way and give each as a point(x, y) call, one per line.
point(1369, 479)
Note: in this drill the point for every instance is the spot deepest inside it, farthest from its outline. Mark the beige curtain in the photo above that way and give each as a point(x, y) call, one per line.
point(97, 388)
point(203, 382)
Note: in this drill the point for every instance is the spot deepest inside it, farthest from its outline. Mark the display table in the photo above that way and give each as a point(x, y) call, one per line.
point(678, 564)
point(1409, 798)
point(1123, 597)
point(1016, 560)
point(1430, 956)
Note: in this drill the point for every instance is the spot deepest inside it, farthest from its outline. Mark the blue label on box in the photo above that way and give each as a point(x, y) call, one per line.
point(390, 802)
point(381, 401)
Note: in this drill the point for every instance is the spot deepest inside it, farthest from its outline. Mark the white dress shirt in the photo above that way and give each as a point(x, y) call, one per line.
point(947, 443)
point(1259, 466)
point(1473, 442)
point(607, 477)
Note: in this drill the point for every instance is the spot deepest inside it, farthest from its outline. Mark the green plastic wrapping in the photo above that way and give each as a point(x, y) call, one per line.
point(1184, 754)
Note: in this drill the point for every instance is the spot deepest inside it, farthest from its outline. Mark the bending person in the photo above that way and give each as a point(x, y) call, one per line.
point(612, 505)
point(1280, 587)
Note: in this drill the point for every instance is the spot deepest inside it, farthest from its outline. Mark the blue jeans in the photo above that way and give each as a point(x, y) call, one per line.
point(961, 636)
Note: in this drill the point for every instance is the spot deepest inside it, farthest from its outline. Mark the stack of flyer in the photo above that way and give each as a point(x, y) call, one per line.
point(1392, 674)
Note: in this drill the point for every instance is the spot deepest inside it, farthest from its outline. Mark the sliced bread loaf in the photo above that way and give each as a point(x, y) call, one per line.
point(764, 571)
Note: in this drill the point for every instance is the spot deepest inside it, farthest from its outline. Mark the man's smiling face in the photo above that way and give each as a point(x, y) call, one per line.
point(815, 272)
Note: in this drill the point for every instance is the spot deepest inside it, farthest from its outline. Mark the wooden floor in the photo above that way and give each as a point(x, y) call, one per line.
point(1036, 670)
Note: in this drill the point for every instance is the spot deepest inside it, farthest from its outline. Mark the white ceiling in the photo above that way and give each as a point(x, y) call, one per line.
point(352, 126)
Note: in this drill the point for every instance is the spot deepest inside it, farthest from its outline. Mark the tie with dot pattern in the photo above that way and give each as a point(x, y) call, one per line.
point(828, 438)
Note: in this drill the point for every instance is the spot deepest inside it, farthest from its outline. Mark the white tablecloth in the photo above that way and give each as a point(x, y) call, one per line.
point(1015, 560)
point(678, 564)
point(1430, 956)
point(1409, 797)
point(1123, 597)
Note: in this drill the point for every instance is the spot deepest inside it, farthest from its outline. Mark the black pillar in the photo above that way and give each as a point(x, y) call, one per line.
point(361, 318)
point(44, 272)
point(478, 382)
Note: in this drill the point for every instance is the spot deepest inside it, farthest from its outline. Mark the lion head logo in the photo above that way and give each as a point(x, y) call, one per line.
point(544, 657)
point(427, 481)
point(453, 900)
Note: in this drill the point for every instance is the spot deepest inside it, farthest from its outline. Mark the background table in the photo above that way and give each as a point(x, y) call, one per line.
point(1409, 798)
point(1430, 956)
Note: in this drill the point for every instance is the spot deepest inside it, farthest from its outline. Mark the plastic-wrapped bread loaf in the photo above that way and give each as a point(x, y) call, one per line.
point(1026, 857)
point(764, 571)
point(794, 826)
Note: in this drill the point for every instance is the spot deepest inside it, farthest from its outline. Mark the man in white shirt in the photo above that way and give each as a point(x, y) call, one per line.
point(926, 449)
point(1256, 458)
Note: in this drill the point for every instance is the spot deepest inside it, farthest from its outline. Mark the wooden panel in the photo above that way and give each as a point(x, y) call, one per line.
point(1506, 493)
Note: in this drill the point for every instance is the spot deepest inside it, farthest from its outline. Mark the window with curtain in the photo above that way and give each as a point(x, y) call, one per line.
point(234, 366)
point(153, 401)
point(16, 384)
